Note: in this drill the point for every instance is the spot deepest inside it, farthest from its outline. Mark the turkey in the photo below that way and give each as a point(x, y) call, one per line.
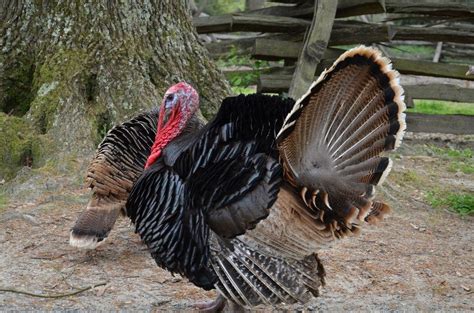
point(118, 163)
point(243, 203)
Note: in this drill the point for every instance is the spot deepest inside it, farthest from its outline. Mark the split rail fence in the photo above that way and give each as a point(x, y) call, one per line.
point(308, 35)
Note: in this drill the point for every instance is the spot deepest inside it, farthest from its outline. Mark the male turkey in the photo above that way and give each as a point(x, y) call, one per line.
point(243, 203)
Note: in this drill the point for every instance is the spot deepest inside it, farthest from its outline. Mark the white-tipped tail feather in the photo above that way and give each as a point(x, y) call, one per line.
point(84, 241)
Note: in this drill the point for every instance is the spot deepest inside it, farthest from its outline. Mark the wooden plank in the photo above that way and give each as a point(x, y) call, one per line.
point(437, 55)
point(458, 8)
point(427, 68)
point(213, 24)
point(445, 92)
point(343, 33)
point(356, 32)
point(433, 34)
point(244, 46)
point(249, 23)
point(301, 11)
point(346, 8)
point(314, 47)
point(271, 49)
point(275, 83)
point(279, 81)
point(288, 50)
point(447, 124)
point(287, 1)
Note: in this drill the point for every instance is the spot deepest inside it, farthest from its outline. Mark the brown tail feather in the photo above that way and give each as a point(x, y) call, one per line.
point(331, 142)
point(95, 223)
point(118, 163)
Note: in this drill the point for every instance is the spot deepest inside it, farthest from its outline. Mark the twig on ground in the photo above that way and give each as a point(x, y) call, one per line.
point(60, 295)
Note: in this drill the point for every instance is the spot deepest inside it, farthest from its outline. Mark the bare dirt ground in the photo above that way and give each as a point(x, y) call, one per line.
point(419, 259)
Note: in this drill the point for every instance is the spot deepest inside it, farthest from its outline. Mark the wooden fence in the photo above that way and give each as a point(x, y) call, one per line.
point(305, 34)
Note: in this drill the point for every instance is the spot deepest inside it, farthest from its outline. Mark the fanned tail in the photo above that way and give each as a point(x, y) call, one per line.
point(334, 140)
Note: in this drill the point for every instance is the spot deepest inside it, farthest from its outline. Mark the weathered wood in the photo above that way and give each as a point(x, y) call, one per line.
point(314, 47)
point(440, 92)
point(433, 34)
point(274, 49)
point(273, 83)
point(427, 68)
point(213, 24)
point(458, 8)
point(448, 124)
point(301, 11)
point(437, 55)
point(288, 1)
point(280, 79)
point(254, 4)
point(356, 32)
point(242, 46)
point(346, 8)
point(251, 23)
point(270, 49)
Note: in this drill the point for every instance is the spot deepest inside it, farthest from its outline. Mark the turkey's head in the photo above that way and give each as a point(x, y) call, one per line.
point(180, 102)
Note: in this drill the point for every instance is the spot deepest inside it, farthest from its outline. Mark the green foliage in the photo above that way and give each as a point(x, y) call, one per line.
point(218, 7)
point(462, 203)
point(442, 107)
point(246, 71)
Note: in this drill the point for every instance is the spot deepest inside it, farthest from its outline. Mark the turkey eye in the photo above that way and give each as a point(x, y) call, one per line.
point(169, 100)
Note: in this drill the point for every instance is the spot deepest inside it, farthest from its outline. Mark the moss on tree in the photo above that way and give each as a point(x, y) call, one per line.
point(16, 145)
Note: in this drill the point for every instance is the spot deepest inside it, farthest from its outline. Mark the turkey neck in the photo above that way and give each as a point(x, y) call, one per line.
point(188, 135)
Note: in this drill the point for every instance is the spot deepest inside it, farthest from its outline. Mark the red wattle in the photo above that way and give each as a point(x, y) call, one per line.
point(165, 133)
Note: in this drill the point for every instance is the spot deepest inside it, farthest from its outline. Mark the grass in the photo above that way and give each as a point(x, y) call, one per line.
point(3, 201)
point(460, 160)
point(442, 107)
point(410, 176)
point(459, 202)
point(459, 166)
point(450, 153)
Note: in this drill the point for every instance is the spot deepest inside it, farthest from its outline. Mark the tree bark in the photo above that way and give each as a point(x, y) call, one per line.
point(76, 68)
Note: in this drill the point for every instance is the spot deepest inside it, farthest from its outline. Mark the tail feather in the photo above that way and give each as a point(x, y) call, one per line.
point(250, 277)
point(95, 223)
point(117, 165)
point(332, 141)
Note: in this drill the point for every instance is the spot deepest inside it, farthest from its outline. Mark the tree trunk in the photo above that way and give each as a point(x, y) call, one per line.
point(75, 68)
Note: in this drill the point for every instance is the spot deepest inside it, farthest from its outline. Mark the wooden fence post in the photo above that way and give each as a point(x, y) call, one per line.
point(315, 44)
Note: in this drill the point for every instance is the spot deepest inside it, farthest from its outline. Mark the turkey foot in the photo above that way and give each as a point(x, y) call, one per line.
point(212, 306)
